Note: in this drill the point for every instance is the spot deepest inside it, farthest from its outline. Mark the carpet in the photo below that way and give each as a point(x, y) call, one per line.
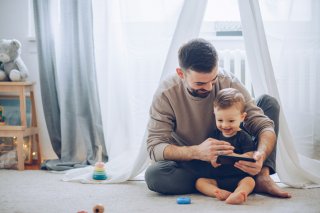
point(34, 191)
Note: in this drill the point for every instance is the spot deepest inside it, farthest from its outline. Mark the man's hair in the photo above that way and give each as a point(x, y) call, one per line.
point(198, 55)
point(229, 97)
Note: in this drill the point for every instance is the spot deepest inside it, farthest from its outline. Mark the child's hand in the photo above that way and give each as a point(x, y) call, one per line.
point(214, 163)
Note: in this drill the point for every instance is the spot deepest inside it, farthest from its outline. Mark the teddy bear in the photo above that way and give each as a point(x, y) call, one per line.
point(12, 68)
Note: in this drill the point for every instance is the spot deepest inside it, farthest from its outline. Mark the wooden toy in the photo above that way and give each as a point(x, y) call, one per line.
point(99, 172)
point(99, 208)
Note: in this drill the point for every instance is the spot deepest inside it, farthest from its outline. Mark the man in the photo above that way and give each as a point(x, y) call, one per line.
point(182, 118)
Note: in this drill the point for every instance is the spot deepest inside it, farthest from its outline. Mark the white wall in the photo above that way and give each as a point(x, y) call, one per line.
point(14, 23)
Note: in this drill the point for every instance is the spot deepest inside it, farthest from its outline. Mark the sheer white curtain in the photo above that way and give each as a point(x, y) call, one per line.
point(136, 43)
point(293, 33)
point(289, 74)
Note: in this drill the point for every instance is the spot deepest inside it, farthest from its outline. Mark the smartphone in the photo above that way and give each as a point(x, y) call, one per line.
point(227, 159)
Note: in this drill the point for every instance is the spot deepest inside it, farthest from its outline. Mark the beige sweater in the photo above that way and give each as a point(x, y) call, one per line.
point(178, 118)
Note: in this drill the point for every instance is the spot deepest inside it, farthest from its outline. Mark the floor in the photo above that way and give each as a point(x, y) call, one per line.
point(33, 191)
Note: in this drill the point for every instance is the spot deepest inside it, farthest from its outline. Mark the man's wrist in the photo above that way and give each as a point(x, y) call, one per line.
point(263, 155)
point(183, 153)
point(194, 152)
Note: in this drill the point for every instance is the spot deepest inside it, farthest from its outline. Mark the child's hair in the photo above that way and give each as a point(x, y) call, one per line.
point(229, 97)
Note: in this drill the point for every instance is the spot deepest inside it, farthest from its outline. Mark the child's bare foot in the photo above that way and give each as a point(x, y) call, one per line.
point(237, 198)
point(221, 194)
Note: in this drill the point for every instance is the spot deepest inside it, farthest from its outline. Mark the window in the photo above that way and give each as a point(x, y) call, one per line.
point(222, 18)
point(222, 26)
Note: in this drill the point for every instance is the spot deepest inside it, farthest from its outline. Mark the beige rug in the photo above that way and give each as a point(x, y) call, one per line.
point(44, 192)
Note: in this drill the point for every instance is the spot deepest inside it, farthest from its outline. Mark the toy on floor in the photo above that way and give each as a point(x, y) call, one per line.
point(99, 172)
point(183, 200)
point(99, 208)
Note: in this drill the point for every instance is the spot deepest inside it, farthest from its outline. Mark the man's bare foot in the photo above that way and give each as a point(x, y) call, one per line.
point(237, 198)
point(265, 184)
point(221, 194)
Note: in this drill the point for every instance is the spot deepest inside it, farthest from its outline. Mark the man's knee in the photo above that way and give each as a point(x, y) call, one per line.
point(155, 175)
point(267, 101)
point(151, 177)
point(166, 177)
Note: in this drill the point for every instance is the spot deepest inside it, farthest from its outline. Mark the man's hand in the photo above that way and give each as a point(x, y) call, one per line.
point(250, 167)
point(211, 148)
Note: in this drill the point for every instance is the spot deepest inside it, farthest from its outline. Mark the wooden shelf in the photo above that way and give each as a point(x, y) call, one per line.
point(12, 128)
point(22, 90)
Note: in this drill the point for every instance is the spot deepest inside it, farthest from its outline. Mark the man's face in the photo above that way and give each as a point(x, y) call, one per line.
point(200, 84)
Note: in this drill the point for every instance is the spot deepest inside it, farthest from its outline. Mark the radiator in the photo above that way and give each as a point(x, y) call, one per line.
point(235, 62)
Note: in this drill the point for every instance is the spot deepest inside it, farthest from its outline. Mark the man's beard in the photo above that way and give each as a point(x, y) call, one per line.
point(201, 93)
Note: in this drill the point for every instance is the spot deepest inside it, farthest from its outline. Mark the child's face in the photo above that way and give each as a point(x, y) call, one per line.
point(228, 120)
